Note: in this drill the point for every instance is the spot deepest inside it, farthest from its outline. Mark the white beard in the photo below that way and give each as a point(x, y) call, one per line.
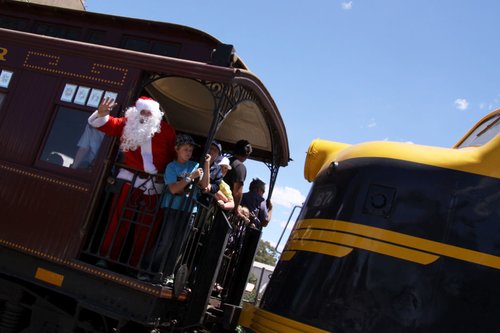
point(138, 129)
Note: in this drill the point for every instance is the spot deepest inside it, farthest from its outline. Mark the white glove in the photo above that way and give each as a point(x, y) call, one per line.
point(149, 167)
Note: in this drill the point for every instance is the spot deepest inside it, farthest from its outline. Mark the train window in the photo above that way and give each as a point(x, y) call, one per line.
point(2, 98)
point(154, 47)
point(483, 133)
point(165, 49)
point(14, 23)
point(137, 44)
point(56, 30)
point(96, 37)
point(72, 143)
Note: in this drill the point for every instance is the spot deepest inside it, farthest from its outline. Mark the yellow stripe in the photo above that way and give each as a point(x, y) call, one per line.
point(366, 244)
point(49, 277)
point(319, 247)
point(287, 255)
point(266, 322)
point(418, 243)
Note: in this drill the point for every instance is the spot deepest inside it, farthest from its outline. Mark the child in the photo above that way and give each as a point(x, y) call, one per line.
point(180, 175)
point(224, 196)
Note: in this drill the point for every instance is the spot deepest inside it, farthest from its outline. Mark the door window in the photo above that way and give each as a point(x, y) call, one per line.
point(72, 143)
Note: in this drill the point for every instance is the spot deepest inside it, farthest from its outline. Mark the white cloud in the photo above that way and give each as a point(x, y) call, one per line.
point(388, 139)
point(287, 196)
point(372, 123)
point(461, 104)
point(346, 5)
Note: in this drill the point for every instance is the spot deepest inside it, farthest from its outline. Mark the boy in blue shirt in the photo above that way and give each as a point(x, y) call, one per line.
point(179, 202)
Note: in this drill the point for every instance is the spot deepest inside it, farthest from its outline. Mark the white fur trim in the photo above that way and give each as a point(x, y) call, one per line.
point(151, 105)
point(147, 104)
point(96, 121)
point(125, 175)
point(147, 158)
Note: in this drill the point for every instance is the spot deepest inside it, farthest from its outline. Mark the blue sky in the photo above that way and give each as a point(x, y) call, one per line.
point(418, 71)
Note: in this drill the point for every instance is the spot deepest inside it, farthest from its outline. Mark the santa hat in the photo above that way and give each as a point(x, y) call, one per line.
point(147, 103)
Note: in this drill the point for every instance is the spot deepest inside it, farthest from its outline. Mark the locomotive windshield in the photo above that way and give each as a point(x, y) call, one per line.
point(483, 133)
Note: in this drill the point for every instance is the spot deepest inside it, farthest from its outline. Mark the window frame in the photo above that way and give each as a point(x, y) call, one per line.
point(86, 174)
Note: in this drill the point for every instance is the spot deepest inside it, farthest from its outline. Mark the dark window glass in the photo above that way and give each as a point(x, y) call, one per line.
point(135, 44)
point(96, 37)
point(154, 47)
point(165, 49)
point(59, 31)
point(72, 143)
point(14, 23)
point(2, 98)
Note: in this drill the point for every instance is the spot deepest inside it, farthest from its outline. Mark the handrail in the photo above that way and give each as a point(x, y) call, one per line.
point(286, 226)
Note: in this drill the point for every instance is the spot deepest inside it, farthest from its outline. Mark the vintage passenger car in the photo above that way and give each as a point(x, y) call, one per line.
point(56, 65)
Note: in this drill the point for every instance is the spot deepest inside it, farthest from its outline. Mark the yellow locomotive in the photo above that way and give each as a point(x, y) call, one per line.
point(393, 237)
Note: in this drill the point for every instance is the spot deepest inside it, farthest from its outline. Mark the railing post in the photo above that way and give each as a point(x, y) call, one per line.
point(207, 270)
point(243, 266)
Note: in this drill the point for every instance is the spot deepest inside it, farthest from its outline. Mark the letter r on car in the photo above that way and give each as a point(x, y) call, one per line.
point(3, 53)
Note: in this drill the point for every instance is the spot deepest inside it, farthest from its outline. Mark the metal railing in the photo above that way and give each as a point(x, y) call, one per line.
point(181, 248)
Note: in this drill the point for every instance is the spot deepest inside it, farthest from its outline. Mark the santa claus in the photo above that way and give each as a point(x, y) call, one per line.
point(148, 145)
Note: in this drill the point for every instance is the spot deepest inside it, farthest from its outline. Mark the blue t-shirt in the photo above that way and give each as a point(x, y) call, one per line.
point(174, 172)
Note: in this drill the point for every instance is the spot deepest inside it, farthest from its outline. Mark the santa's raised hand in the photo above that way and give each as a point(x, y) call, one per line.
point(106, 106)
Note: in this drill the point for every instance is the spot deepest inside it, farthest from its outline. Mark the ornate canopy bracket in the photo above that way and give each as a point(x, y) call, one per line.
point(227, 96)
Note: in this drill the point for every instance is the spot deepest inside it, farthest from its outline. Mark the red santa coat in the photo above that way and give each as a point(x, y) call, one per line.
point(150, 157)
point(162, 145)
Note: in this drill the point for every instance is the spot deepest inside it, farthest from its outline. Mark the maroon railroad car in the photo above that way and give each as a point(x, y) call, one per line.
point(56, 65)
